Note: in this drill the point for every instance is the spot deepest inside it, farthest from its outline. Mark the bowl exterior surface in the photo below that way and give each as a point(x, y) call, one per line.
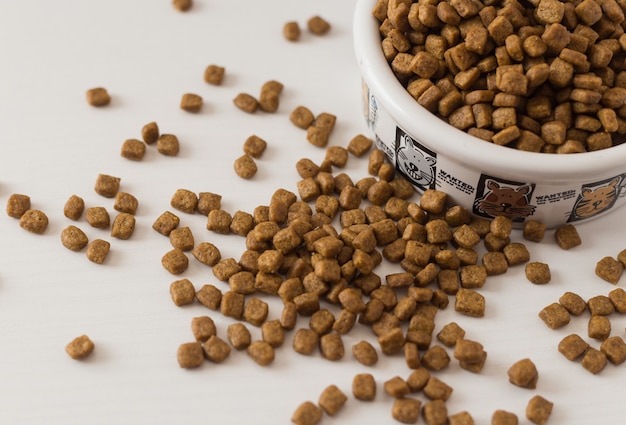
point(488, 194)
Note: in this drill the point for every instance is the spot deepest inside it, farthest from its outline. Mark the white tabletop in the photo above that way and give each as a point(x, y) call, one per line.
point(147, 54)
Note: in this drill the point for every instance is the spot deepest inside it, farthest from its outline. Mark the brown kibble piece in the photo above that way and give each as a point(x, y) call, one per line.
point(365, 353)
point(17, 205)
point(609, 269)
point(470, 303)
point(254, 146)
point(184, 200)
point(302, 117)
point(406, 410)
point(359, 145)
point(175, 261)
point(594, 361)
point(214, 74)
point(318, 25)
point(245, 167)
point(567, 236)
point(307, 413)
point(133, 149)
point(98, 96)
point(98, 217)
point(534, 231)
point(191, 102)
point(125, 202)
point(573, 303)
point(291, 31)
point(600, 305)
point(207, 202)
point(203, 327)
point(207, 253)
point(618, 298)
point(165, 223)
point(396, 387)
point(523, 373)
point(331, 346)
point(168, 145)
point(80, 347)
point(182, 5)
point(502, 417)
point(538, 410)
point(435, 358)
point(107, 185)
point(538, 273)
point(182, 292)
point(34, 221)
point(246, 102)
point(239, 336)
point(123, 226)
point(190, 355)
point(73, 238)
point(305, 341)
point(572, 346)
point(450, 334)
point(74, 207)
point(216, 349)
point(554, 316)
point(599, 327)
point(615, 349)
point(209, 296)
point(435, 412)
point(332, 400)
point(262, 352)
point(436, 389)
point(98, 250)
point(364, 387)
point(150, 133)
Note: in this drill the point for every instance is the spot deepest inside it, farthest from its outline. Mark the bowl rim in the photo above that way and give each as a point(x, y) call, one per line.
point(457, 144)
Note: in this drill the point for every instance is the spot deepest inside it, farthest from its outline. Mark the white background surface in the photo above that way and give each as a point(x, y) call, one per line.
point(53, 145)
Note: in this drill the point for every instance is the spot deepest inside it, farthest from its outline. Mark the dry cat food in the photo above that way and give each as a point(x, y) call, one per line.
point(74, 207)
point(307, 413)
point(406, 410)
point(73, 238)
point(107, 185)
point(538, 273)
point(98, 250)
point(364, 387)
point(214, 74)
point(291, 31)
point(80, 347)
point(133, 149)
point(34, 221)
point(98, 217)
point(609, 269)
point(538, 77)
point(245, 167)
point(318, 25)
point(123, 226)
point(332, 400)
point(182, 292)
point(246, 102)
point(190, 355)
point(538, 410)
point(523, 373)
point(168, 145)
point(150, 133)
point(191, 102)
point(98, 96)
point(182, 5)
point(17, 205)
point(125, 202)
point(262, 352)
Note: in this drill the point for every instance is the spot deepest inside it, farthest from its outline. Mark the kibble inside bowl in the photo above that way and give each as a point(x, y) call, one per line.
point(549, 149)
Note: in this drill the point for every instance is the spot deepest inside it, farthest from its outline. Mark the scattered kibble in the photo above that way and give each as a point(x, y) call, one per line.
point(80, 347)
point(98, 96)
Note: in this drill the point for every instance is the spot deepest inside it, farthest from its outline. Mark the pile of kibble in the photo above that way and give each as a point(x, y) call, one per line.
point(318, 249)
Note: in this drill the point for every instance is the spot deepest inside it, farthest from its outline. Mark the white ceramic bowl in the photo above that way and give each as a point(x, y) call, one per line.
point(487, 179)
